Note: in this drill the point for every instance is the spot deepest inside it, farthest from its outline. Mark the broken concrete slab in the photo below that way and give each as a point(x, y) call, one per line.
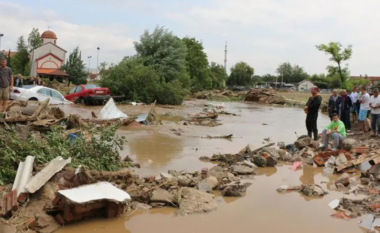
point(343, 179)
point(272, 152)
point(302, 143)
point(195, 201)
point(37, 181)
point(235, 189)
point(208, 184)
point(348, 144)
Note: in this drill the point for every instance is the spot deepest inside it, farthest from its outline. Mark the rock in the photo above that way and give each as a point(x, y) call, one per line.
point(140, 181)
point(302, 143)
point(272, 152)
point(168, 180)
point(332, 187)
point(195, 201)
point(174, 173)
point(365, 181)
point(235, 189)
point(271, 161)
point(348, 144)
point(353, 182)
point(343, 179)
point(313, 190)
point(260, 161)
point(282, 154)
point(341, 160)
point(161, 195)
point(208, 184)
point(166, 176)
point(184, 181)
point(242, 170)
point(137, 205)
point(158, 204)
point(281, 145)
point(251, 165)
point(310, 160)
point(247, 150)
point(231, 177)
point(218, 173)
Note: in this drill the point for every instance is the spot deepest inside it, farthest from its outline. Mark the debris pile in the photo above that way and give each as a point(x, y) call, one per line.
point(221, 95)
point(264, 96)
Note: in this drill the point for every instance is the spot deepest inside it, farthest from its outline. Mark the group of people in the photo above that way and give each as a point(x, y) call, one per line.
point(19, 81)
point(359, 104)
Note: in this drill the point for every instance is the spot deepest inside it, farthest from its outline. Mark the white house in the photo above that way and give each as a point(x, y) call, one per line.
point(48, 58)
point(304, 85)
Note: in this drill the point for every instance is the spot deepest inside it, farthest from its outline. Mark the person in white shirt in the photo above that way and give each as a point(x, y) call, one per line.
point(354, 110)
point(364, 108)
point(375, 112)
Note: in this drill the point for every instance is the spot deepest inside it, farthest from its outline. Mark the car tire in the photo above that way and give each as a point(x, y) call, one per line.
point(81, 101)
point(33, 99)
point(86, 102)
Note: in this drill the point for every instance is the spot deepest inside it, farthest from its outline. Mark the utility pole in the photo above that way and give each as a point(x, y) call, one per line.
point(97, 59)
point(225, 57)
point(1, 35)
point(89, 63)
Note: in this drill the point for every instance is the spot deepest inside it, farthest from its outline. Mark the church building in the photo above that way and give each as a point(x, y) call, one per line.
point(48, 58)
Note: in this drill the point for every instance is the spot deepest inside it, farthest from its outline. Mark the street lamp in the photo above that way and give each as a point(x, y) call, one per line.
point(89, 63)
point(97, 59)
point(1, 35)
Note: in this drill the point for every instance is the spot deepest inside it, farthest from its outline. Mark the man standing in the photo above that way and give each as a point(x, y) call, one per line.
point(374, 104)
point(6, 84)
point(345, 109)
point(364, 108)
point(335, 130)
point(18, 82)
point(354, 97)
point(311, 109)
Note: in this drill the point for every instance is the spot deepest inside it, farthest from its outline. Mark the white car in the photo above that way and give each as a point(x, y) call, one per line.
point(38, 93)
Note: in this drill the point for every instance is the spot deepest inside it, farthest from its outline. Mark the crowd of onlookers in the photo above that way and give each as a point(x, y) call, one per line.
point(19, 81)
point(344, 109)
point(358, 106)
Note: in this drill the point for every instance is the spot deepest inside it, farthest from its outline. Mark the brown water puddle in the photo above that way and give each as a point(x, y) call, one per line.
point(262, 210)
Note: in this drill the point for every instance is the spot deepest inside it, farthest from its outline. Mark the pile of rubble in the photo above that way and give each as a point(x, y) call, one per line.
point(217, 94)
point(264, 96)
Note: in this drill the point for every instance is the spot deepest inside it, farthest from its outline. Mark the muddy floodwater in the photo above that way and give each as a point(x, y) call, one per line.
point(158, 149)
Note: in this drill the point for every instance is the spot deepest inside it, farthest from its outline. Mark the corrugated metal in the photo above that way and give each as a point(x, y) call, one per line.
point(37, 181)
point(95, 192)
point(110, 111)
point(24, 172)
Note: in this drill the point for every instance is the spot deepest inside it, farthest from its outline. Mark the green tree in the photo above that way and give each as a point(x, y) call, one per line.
point(241, 75)
point(34, 39)
point(21, 58)
point(218, 75)
point(291, 74)
point(166, 53)
point(141, 83)
point(74, 66)
point(197, 64)
point(338, 55)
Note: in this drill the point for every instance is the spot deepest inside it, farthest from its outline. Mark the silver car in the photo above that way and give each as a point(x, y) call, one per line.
point(38, 93)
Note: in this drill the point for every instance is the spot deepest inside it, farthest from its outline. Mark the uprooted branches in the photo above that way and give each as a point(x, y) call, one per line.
point(95, 150)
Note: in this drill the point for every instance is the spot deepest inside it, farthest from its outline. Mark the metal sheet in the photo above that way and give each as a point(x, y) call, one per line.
point(142, 117)
point(24, 172)
point(110, 111)
point(48, 172)
point(95, 192)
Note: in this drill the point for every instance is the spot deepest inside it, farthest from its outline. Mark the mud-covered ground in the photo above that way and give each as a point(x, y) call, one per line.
point(174, 145)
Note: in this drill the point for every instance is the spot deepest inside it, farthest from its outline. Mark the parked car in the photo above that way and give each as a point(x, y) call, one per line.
point(38, 93)
point(88, 94)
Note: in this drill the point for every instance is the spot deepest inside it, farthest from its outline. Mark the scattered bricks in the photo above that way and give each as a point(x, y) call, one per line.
point(322, 157)
point(111, 210)
point(9, 202)
point(360, 150)
point(120, 209)
point(152, 179)
point(56, 201)
point(67, 214)
point(374, 207)
point(23, 197)
point(31, 224)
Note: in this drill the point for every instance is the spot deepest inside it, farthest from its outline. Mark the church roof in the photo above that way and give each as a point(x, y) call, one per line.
point(52, 44)
point(48, 35)
point(53, 72)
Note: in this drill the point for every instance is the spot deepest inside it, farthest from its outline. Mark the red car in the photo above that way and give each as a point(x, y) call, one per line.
point(88, 94)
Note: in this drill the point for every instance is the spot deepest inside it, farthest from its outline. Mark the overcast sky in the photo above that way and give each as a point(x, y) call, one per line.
point(263, 33)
